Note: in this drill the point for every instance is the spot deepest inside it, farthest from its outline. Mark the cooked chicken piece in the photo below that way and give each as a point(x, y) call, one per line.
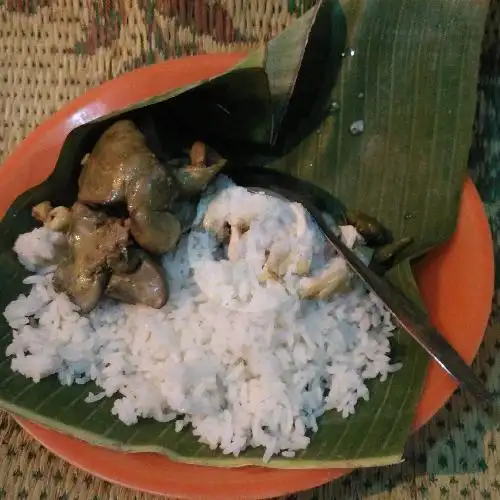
point(146, 285)
point(121, 169)
point(97, 244)
point(157, 232)
point(334, 279)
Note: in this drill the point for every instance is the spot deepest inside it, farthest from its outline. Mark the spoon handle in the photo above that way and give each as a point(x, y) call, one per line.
point(415, 321)
point(408, 314)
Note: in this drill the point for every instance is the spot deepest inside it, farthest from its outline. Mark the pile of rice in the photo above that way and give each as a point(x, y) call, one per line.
point(244, 364)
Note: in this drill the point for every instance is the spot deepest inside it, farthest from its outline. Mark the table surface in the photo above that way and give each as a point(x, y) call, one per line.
point(53, 50)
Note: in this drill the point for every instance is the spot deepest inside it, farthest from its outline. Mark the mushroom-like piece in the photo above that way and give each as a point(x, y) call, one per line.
point(278, 258)
point(236, 231)
point(368, 227)
point(281, 256)
point(146, 285)
point(41, 211)
point(96, 244)
point(385, 254)
point(122, 169)
point(205, 165)
point(334, 279)
point(194, 180)
point(216, 224)
point(304, 255)
point(198, 154)
point(58, 219)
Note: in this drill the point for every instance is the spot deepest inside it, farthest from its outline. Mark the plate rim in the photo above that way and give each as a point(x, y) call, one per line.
point(141, 83)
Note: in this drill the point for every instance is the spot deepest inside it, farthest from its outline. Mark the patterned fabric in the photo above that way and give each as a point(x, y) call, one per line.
point(53, 50)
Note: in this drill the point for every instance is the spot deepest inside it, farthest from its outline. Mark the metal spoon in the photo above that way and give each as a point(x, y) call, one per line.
point(408, 314)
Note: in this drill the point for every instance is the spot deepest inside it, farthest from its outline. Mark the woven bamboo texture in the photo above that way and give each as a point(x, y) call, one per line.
point(54, 50)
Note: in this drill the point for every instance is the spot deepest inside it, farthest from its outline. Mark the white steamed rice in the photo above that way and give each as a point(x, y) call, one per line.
point(242, 364)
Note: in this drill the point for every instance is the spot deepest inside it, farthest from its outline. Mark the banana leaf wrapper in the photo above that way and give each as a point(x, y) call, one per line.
point(368, 102)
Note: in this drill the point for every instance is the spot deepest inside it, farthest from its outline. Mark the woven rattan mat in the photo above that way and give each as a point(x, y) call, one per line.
point(53, 50)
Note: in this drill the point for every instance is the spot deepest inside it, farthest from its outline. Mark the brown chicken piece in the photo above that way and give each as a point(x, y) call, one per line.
point(97, 246)
point(122, 169)
point(145, 285)
point(368, 227)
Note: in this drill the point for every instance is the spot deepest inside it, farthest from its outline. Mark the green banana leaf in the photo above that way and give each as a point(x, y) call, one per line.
point(371, 103)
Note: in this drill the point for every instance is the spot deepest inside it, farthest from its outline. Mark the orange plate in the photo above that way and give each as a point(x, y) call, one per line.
point(456, 281)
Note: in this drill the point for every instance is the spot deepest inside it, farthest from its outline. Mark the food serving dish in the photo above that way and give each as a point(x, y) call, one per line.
point(457, 297)
point(444, 282)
